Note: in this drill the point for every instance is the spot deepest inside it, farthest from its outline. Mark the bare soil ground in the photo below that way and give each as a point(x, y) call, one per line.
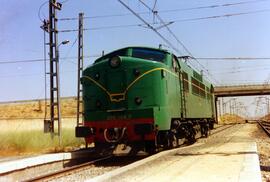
point(230, 118)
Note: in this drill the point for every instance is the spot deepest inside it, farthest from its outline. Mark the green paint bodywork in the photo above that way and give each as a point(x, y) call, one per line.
point(197, 106)
point(157, 85)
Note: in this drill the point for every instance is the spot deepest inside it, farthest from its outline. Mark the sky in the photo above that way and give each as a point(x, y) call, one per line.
point(245, 35)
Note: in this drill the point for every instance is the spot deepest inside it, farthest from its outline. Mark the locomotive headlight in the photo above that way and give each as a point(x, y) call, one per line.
point(115, 61)
point(138, 100)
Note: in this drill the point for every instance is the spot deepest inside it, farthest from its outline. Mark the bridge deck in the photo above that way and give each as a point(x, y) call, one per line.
point(241, 90)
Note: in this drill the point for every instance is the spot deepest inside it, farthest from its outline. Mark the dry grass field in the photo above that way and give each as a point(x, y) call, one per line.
point(35, 109)
point(231, 118)
point(266, 117)
point(21, 128)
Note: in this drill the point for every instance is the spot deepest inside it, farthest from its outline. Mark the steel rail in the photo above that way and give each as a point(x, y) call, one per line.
point(265, 126)
point(66, 171)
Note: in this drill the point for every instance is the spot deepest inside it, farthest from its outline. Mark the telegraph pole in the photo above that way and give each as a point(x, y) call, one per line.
point(80, 69)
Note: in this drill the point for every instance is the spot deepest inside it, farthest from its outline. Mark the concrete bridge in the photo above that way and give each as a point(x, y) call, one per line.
point(242, 90)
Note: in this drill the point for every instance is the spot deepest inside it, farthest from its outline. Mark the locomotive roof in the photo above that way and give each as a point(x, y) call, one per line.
point(131, 47)
point(182, 63)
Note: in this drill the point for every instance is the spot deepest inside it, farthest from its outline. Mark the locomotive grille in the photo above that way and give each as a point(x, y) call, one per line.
point(116, 83)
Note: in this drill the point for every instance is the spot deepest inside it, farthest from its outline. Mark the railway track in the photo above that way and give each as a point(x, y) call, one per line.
point(89, 169)
point(265, 126)
point(67, 171)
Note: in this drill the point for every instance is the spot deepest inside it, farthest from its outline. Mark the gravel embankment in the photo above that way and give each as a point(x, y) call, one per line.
point(263, 145)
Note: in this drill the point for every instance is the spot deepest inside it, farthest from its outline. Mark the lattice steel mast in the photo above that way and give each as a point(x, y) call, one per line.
point(50, 26)
point(80, 69)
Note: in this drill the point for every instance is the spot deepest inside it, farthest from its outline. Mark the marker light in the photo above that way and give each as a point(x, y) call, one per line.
point(138, 100)
point(115, 61)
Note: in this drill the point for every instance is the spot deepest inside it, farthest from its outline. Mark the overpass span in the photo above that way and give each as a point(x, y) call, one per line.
point(242, 90)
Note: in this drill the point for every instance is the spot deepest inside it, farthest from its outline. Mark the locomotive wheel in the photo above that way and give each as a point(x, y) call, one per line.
point(211, 125)
point(207, 131)
point(170, 140)
point(173, 141)
point(191, 139)
point(191, 136)
point(150, 147)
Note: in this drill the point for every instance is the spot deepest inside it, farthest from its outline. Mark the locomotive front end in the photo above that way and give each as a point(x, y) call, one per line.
point(121, 94)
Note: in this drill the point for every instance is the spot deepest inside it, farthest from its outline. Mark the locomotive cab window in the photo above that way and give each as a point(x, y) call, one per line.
point(121, 52)
point(148, 54)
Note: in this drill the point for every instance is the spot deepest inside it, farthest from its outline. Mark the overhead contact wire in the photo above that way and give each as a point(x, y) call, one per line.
point(176, 38)
point(169, 10)
point(149, 26)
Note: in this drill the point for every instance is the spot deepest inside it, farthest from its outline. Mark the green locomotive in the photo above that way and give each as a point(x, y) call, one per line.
point(145, 98)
